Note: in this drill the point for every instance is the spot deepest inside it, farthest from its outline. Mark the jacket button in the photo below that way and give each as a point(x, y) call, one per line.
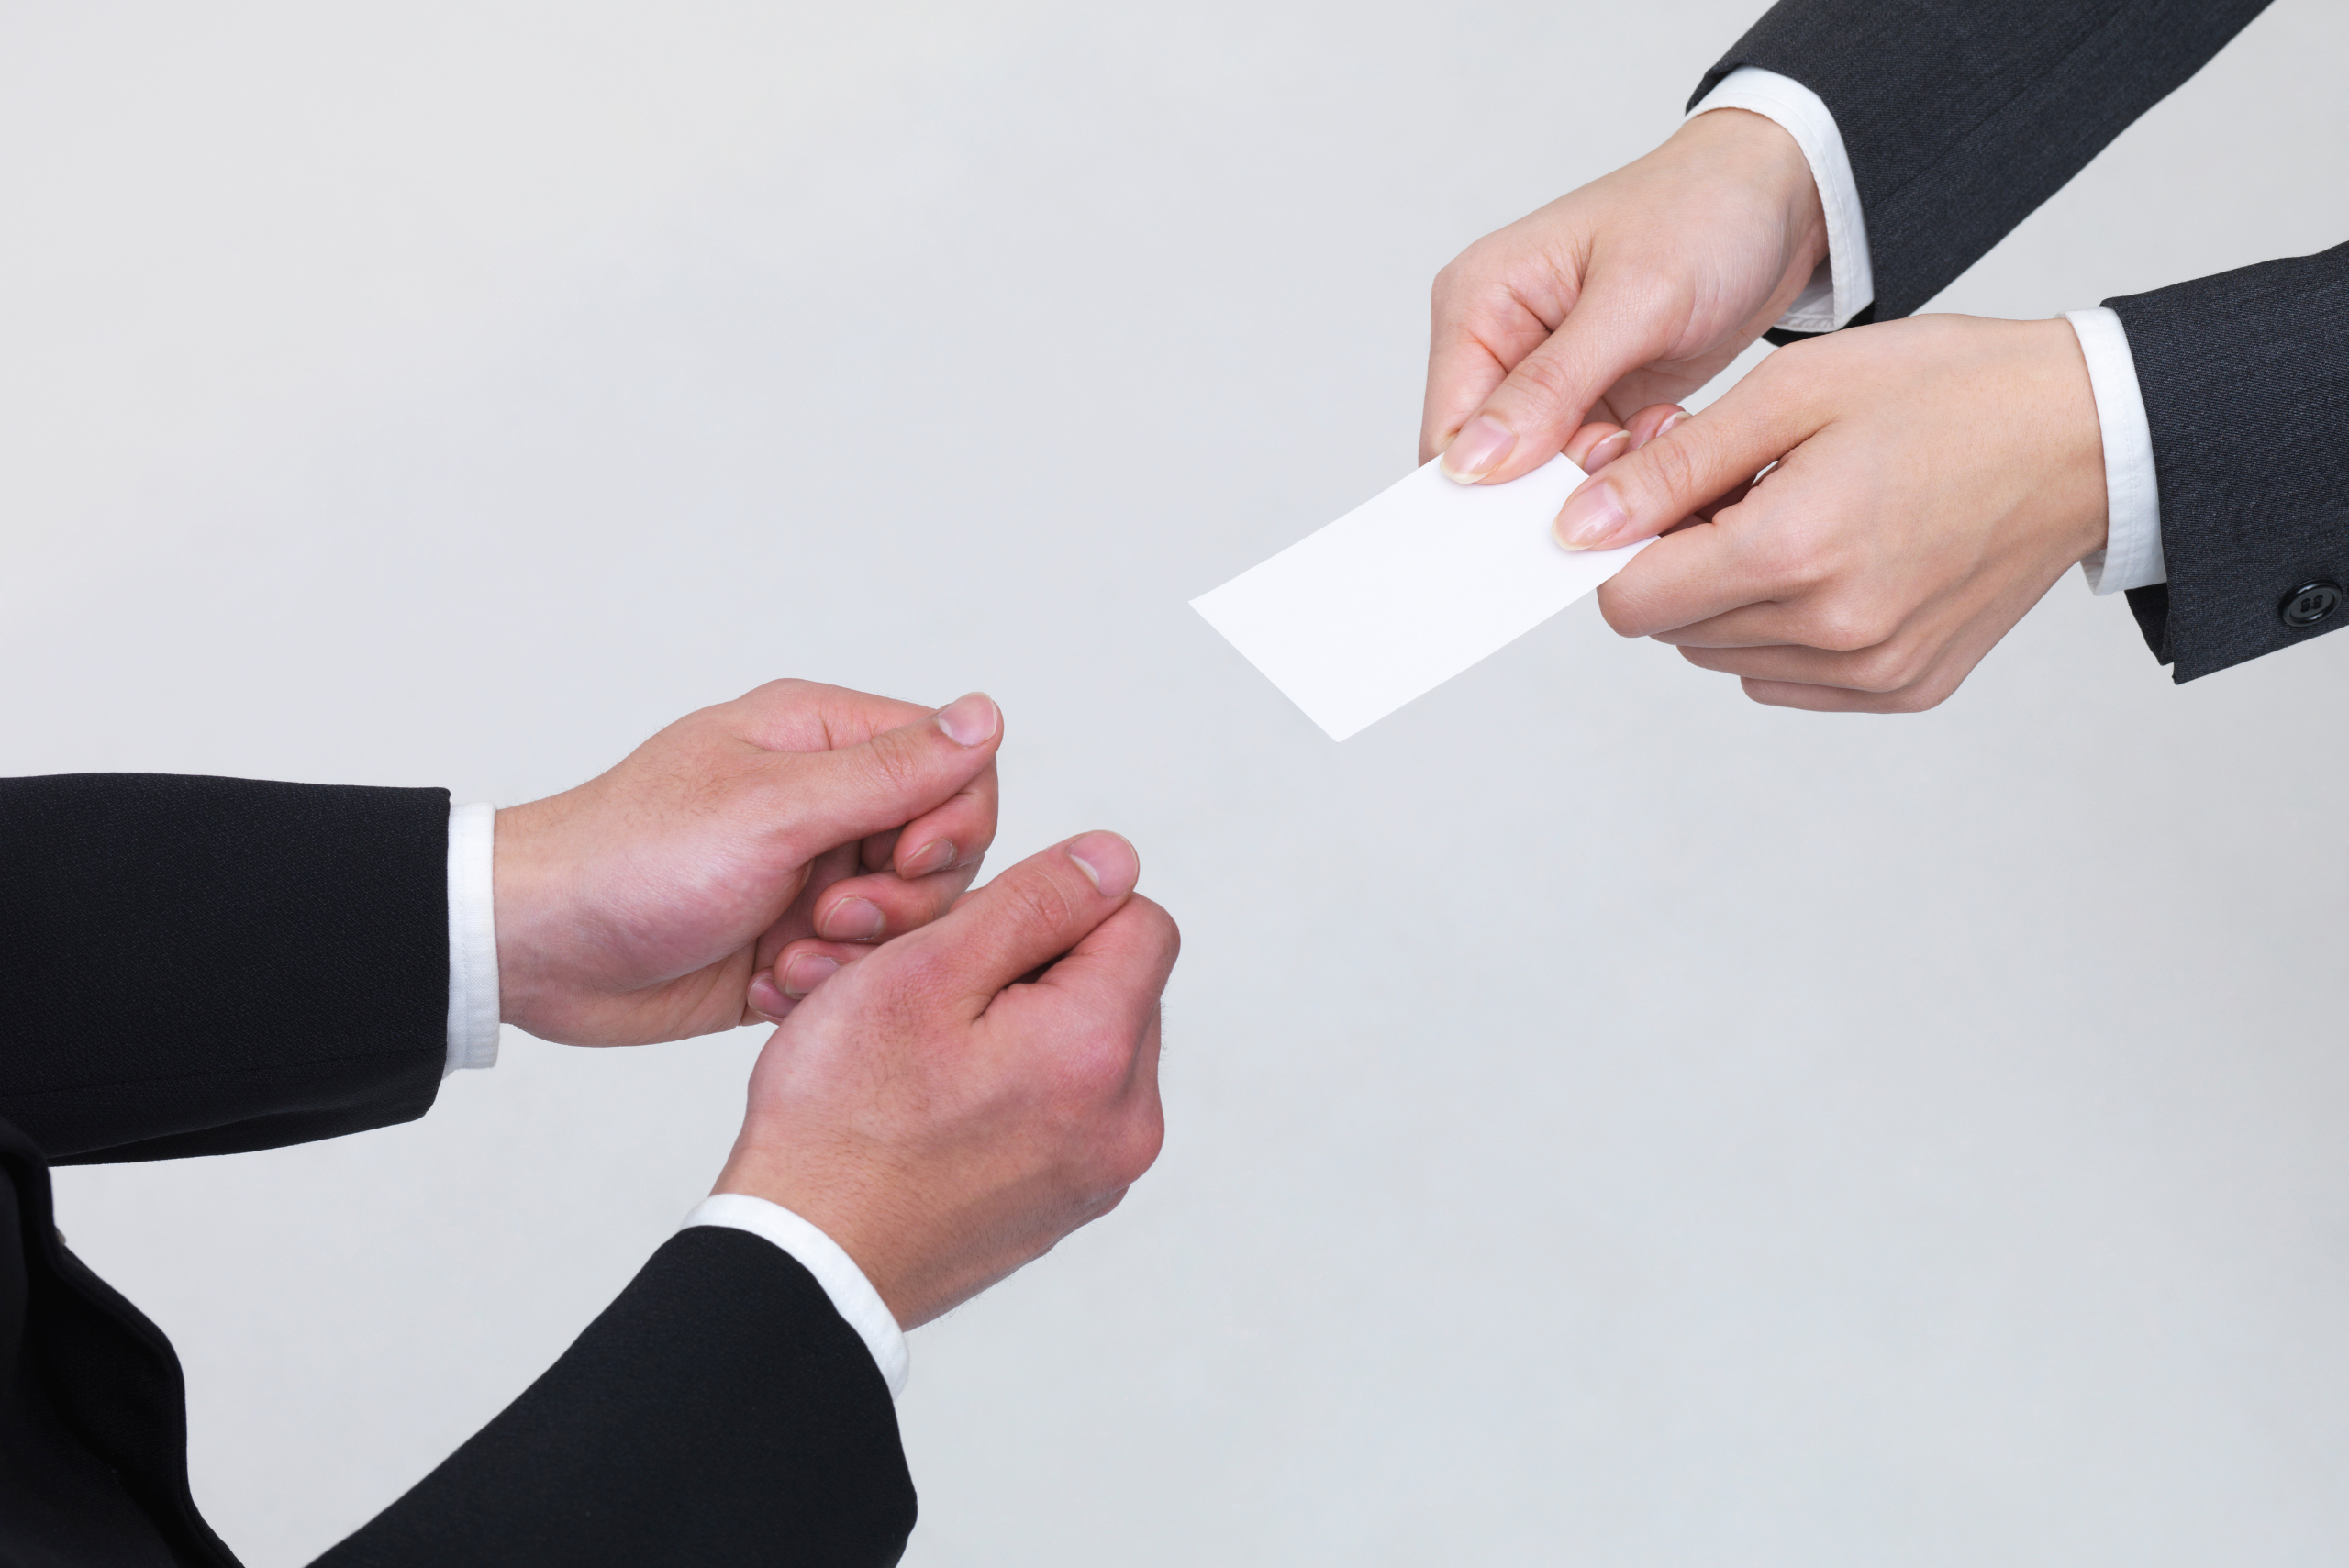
point(2309, 604)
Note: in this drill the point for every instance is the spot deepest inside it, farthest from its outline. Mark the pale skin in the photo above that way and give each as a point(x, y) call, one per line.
point(1934, 476)
point(984, 1082)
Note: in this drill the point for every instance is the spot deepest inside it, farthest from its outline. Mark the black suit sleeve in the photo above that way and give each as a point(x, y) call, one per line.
point(718, 1414)
point(2246, 378)
point(204, 966)
point(1961, 116)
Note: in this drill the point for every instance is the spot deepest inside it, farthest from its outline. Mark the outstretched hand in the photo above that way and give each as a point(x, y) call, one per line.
point(1636, 289)
point(640, 906)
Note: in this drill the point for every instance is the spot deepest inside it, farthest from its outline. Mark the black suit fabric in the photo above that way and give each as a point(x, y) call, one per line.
point(202, 966)
point(1960, 117)
point(207, 966)
point(720, 1412)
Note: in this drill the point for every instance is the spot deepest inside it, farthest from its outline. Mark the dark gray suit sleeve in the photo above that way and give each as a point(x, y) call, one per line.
point(2246, 378)
point(1961, 116)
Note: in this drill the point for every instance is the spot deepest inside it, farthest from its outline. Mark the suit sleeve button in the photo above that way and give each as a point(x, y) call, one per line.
point(2309, 604)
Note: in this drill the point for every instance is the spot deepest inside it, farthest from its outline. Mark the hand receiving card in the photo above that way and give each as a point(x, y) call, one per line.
point(1407, 590)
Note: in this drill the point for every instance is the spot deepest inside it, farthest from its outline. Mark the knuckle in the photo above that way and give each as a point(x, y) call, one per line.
point(1136, 1148)
point(1097, 1069)
point(919, 974)
point(1848, 629)
point(1671, 474)
point(1164, 937)
point(1540, 385)
point(1921, 696)
point(1884, 672)
point(897, 761)
point(1041, 903)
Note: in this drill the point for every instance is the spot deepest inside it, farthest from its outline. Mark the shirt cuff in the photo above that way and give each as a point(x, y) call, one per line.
point(852, 1295)
point(1845, 285)
point(473, 938)
point(2131, 556)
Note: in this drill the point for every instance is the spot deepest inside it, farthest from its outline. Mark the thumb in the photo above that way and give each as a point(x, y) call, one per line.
point(1524, 421)
point(1693, 461)
point(852, 792)
point(1024, 920)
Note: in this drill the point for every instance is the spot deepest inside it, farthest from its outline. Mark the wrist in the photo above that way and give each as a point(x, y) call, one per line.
point(842, 1207)
point(524, 900)
point(2076, 474)
point(1762, 155)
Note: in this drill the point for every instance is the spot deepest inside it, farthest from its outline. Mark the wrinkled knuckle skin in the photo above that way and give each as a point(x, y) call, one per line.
point(1667, 476)
point(1041, 904)
point(1541, 385)
point(898, 760)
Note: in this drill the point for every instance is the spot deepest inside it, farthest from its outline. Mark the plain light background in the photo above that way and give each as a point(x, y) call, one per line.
point(1611, 1123)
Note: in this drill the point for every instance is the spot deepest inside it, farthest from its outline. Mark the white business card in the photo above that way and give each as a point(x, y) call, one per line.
point(1407, 590)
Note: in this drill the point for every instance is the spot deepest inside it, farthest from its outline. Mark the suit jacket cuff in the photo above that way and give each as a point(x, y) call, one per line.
point(2131, 556)
point(473, 938)
point(2245, 385)
point(1844, 283)
point(852, 1295)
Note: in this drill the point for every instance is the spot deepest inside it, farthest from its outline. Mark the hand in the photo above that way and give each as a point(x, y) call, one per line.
point(953, 1104)
point(638, 907)
point(1935, 476)
point(1636, 289)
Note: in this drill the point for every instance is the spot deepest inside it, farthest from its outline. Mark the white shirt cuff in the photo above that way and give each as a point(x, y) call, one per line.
point(473, 938)
point(2131, 556)
point(1844, 282)
point(852, 1295)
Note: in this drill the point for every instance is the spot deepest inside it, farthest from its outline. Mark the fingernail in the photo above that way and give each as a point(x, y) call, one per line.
point(1609, 449)
point(852, 920)
point(806, 971)
point(936, 856)
point(766, 999)
point(969, 720)
point(1590, 516)
point(1669, 420)
point(1108, 860)
point(1477, 449)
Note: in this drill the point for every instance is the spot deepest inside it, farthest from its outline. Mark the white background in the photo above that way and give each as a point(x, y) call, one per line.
point(1611, 1123)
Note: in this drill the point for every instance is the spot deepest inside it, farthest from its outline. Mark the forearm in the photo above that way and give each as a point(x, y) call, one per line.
point(719, 1412)
point(204, 965)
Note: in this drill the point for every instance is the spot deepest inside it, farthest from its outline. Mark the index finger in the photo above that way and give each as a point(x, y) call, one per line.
point(1698, 572)
point(1691, 464)
point(1481, 323)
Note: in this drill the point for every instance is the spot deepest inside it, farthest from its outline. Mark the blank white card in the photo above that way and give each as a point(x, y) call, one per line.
point(1407, 590)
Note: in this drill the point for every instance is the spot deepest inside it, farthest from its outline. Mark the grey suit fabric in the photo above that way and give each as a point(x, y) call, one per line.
point(1960, 117)
point(2246, 377)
